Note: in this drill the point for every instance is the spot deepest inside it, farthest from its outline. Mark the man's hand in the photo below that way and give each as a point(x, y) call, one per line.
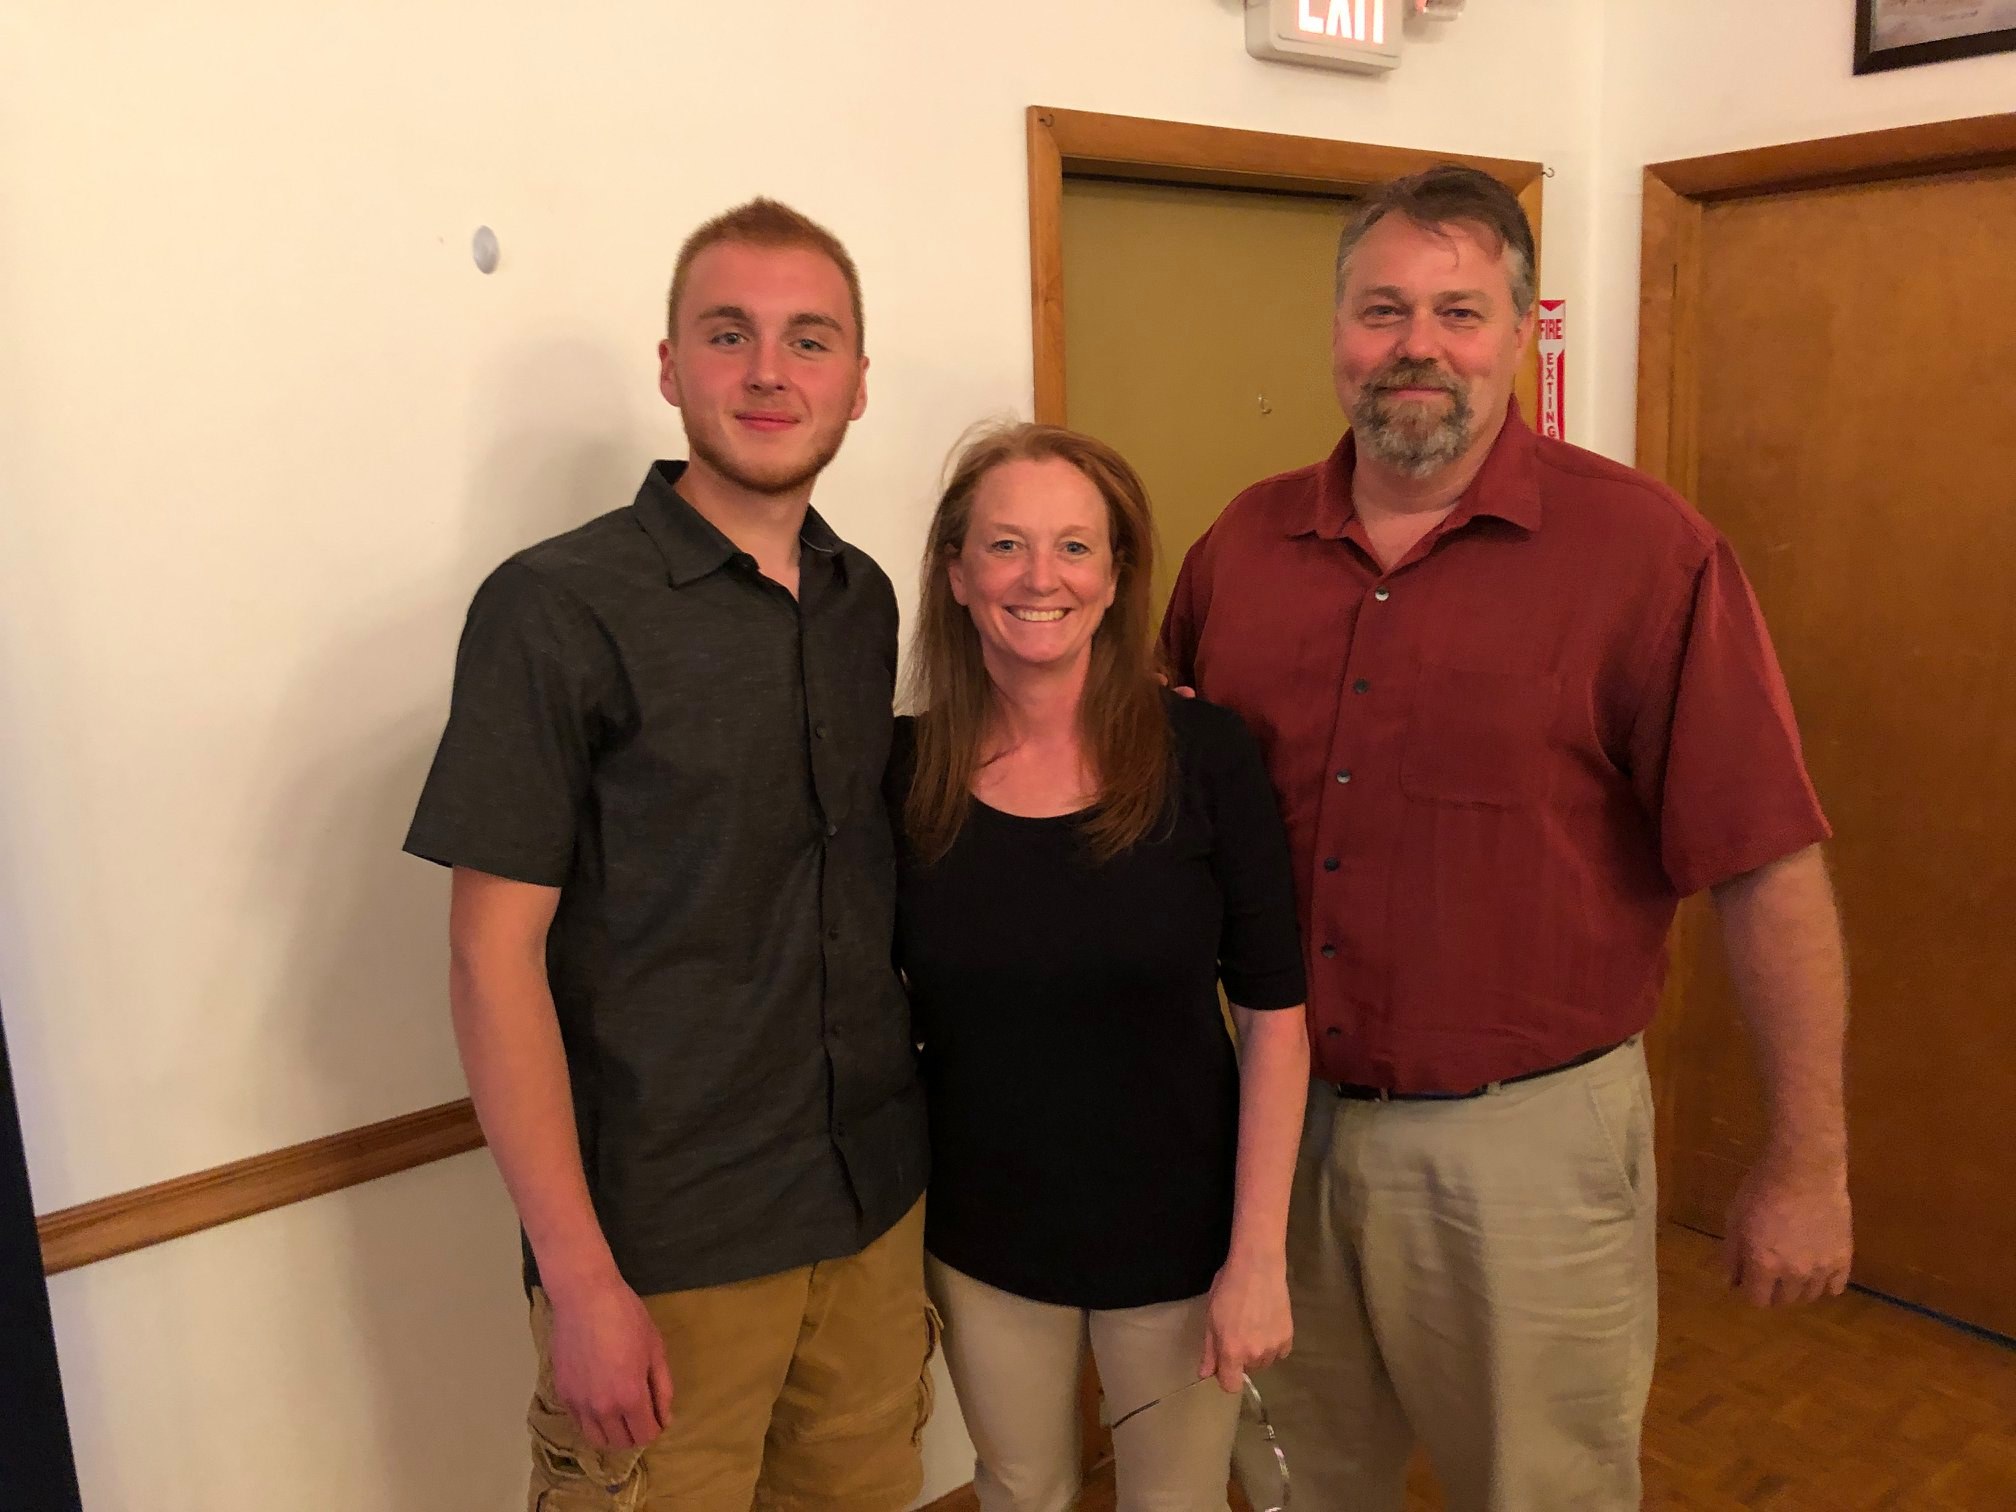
point(1248, 1325)
point(1790, 1238)
point(1789, 1235)
point(609, 1367)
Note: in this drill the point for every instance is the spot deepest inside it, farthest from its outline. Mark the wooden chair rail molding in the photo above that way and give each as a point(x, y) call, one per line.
point(128, 1221)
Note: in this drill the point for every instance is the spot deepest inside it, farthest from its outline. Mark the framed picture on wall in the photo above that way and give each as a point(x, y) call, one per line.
point(1903, 33)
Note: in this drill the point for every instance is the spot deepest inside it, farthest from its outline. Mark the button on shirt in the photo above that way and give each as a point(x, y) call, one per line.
point(1503, 762)
point(643, 720)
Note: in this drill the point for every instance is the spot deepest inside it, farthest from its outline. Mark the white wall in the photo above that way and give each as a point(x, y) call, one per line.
point(1718, 76)
point(365, 1350)
point(263, 427)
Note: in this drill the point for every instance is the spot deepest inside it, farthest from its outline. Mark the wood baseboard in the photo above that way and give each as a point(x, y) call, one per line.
point(128, 1221)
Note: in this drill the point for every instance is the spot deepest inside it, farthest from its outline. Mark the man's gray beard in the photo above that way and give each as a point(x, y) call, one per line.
point(769, 485)
point(1408, 444)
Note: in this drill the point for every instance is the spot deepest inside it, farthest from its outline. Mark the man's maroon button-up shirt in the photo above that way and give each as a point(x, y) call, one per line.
point(1502, 763)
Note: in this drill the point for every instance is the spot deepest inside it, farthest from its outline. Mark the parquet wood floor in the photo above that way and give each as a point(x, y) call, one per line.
point(1854, 1405)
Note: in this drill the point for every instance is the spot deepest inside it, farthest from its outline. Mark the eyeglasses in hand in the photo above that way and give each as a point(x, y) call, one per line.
point(1259, 1466)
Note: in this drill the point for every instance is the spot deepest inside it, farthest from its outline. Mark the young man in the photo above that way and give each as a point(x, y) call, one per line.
point(1517, 701)
point(660, 792)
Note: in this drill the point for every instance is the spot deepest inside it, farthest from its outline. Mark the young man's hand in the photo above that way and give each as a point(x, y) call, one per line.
point(609, 1366)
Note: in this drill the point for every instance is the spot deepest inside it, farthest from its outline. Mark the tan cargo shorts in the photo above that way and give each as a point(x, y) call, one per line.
point(805, 1391)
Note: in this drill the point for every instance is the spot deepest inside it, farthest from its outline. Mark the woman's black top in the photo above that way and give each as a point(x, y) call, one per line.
point(1083, 1092)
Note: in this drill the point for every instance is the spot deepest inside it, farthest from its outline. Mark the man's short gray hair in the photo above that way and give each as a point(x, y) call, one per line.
point(1450, 194)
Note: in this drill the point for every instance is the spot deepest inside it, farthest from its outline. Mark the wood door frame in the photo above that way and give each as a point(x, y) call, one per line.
point(1676, 196)
point(1081, 143)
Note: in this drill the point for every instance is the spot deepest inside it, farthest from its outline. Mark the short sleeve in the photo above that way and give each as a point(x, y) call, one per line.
point(511, 775)
point(1260, 950)
point(1715, 753)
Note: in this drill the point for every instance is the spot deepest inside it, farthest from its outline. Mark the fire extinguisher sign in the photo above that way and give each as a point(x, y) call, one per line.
point(1553, 360)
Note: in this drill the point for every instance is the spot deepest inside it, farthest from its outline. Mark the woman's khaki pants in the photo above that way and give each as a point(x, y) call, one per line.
point(1015, 1364)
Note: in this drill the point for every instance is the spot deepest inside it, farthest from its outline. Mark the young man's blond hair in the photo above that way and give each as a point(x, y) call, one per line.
point(764, 223)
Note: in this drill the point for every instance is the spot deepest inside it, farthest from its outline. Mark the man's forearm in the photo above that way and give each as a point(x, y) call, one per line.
point(1782, 935)
point(509, 1037)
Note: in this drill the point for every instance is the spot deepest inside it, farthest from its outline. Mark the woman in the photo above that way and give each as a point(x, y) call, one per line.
point(1084, 857)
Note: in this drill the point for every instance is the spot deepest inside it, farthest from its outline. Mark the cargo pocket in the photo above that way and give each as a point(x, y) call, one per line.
point(569, 1475)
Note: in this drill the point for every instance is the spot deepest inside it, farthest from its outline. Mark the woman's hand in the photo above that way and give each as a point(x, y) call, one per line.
point(1247, 1325)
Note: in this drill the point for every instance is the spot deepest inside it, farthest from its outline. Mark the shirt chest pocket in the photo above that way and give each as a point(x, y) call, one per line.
point(1478, 736)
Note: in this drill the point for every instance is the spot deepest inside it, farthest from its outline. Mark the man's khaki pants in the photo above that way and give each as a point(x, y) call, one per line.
point(805, 1391)
point(1479, 1275)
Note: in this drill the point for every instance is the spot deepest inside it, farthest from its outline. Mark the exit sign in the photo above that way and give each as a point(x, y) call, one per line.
point(1357, 34)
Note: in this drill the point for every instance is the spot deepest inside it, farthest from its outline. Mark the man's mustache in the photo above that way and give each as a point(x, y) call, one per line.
point(1413, 374)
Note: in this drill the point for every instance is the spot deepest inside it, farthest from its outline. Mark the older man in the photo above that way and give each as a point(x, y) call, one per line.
point(1517, 701)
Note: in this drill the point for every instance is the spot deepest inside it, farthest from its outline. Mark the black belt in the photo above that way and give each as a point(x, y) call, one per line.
point(1357, 1093)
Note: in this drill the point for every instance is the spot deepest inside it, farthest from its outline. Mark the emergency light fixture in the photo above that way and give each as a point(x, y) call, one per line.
point(1361, 35)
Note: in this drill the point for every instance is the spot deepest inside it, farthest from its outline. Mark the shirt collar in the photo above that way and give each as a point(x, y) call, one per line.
point(1507, 487)
point(816, 535)
point(691, 544)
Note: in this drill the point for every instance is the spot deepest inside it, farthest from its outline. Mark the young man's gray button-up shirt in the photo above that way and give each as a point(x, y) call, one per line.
point(644, 721)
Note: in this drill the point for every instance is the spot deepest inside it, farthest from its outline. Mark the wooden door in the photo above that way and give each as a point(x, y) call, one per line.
point(1854, 407)
point(1197, 339)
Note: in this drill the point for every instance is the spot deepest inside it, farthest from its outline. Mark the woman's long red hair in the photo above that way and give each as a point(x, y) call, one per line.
point(1123, 728)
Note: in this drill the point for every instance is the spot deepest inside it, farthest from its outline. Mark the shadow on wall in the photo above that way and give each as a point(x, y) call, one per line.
point(556, 444)
point(441, 1317)
point(562, 432)
point(365, 958)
